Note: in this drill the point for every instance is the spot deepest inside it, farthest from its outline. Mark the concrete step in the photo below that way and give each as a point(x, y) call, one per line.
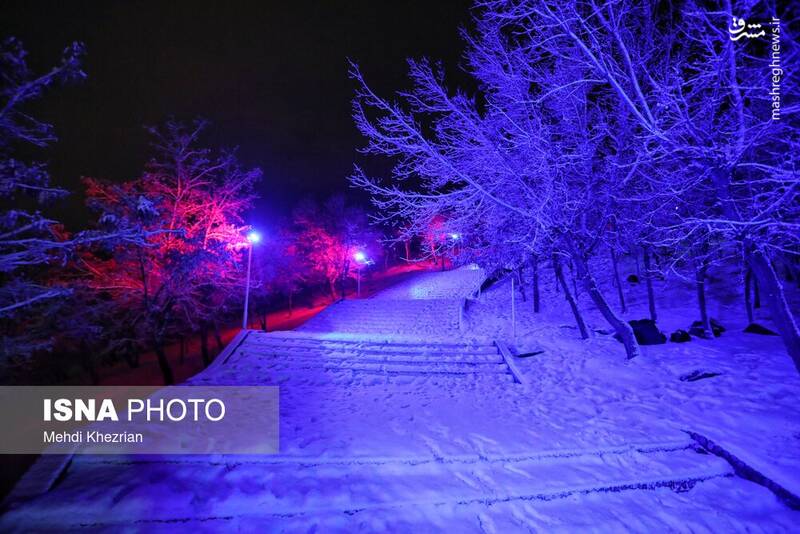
point(336, 490)
point(291, 339)
point(360, 364)
point(378, 356)
point(388, 316)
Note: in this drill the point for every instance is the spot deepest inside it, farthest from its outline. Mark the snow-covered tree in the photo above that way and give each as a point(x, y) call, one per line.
point(278, 273)
point(34, 247)
point(721, 168)
point(189, 202)
point(327, 236)
point(517, 177)
point(28, 238)
point(580, 128)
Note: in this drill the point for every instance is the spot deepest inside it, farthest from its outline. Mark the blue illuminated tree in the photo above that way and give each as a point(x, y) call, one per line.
point(580, 128)
point(28, 238)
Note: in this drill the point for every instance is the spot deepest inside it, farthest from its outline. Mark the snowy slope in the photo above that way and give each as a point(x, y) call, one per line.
point(403, 433)
point(748, 409)
point(458, 283)
point(426, 305)
point(437, 318)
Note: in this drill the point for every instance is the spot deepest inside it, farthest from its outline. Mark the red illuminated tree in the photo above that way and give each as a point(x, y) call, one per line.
point(327, 237)
point(190, 203)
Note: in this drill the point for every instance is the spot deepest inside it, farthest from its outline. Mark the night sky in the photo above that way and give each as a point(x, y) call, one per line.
point(270, 76)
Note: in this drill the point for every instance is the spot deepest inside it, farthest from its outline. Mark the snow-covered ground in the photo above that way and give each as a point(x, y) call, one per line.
point(458, 283)
point(425, 305)
point(399, 431)
point(748, 409)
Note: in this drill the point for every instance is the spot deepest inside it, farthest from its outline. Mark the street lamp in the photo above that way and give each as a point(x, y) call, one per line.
point(455, 238)
point(252, 238)
point(361, 259)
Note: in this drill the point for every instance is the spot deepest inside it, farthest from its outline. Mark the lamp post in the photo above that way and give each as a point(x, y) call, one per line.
point(361, 259)
point(252, 238)
point(454, 238)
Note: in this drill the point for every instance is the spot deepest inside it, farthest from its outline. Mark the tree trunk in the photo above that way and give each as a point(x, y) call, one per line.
point(163, 362)
point(407, 244)
point(131, 359)
point(92, 370)
point(332, 289)
point(535, 267)
point(218, 336)
point(756, 295)
point(648, 276)
point(204, 345)
point(521, 285)
point(574, 278)
point(748, 304)
point(765, 278)
point(264, 321)
point(555, 279)
point(779, 309)
point(181, 349)
point(622, 328)
point(570, 299)
point(796, 269)
point(88, 363)
point(617, 281)
point(700, 282)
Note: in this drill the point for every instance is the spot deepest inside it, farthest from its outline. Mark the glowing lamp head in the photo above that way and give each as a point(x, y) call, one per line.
point(360, 257)
point(455, 236)
point(254, 237)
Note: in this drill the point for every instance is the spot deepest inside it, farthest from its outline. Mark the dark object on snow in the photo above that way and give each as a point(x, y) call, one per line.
point(697, 328)
point(646, 332)
point(495, 277)
point(603, 331)
point(529, 354)
point(633, 279)
point(680, 336)
point(755, 328)
point(696, 375)
point(745, 471)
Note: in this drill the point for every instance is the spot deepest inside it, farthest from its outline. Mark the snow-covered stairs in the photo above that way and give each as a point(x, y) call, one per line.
point(331, 492)
point(429, 304)
point(323, 357)
point(432, 318)
point(459, 283)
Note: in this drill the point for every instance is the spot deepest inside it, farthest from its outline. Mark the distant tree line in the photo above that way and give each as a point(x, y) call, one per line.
point(163, 258)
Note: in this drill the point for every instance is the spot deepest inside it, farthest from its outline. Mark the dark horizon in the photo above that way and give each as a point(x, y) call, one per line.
point(271, 80)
